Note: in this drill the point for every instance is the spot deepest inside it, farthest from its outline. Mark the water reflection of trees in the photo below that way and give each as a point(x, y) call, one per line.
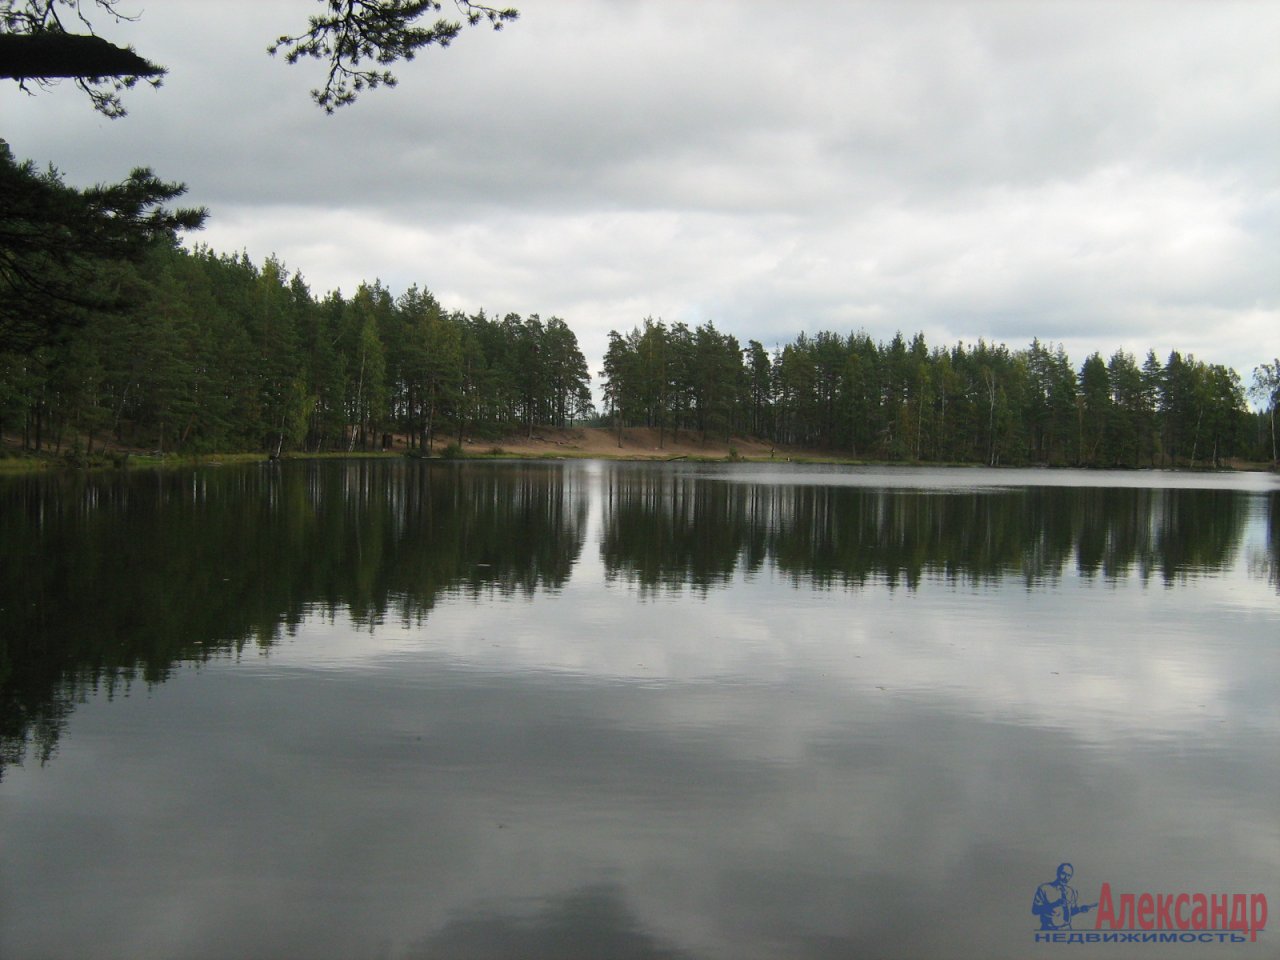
point(110, 578)
point(1269, 566)
point(670, 530)
point(665, 530)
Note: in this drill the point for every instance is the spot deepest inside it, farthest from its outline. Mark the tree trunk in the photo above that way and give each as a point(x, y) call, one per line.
point(351, 445)
point(1195, 439)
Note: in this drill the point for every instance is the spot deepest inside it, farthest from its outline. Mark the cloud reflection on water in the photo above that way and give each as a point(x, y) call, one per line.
point(758, 763)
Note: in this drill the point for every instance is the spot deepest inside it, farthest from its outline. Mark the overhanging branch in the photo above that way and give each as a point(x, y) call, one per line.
point(51, 55)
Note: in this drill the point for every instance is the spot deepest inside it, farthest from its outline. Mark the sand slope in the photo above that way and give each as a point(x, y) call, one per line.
point(636, 444)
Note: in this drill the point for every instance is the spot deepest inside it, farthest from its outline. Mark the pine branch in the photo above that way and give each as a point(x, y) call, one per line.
point(52, 54)
point(360, 38)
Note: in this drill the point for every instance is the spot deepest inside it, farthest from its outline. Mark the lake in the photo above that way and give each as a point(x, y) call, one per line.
point(610, 710)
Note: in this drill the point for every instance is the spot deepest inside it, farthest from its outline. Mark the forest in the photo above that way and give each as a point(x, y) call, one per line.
point(907, 401)
point(114, 337)
point(221, 355)
point(217, 354)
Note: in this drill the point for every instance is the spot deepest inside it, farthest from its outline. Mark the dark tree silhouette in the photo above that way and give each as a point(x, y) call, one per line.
point(36, 46)
point(359, 39)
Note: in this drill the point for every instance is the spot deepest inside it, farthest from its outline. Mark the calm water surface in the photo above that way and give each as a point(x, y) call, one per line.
point(619, 711)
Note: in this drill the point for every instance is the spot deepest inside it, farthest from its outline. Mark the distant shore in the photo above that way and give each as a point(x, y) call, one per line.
point(574, 443)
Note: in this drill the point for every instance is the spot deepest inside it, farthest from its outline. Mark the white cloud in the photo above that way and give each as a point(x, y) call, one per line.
point(1099, 175)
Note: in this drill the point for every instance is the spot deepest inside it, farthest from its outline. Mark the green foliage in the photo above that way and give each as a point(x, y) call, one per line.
point(674, 378)
point(216, 354)
point(1265, 389)
point(63, 251)
point(192, 352)
point(902, 400)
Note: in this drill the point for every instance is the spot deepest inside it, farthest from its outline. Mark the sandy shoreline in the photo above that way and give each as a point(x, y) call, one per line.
point(634, 444)
point(578, 443)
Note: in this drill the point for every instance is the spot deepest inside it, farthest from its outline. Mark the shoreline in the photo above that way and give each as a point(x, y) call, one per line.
point(641, 445)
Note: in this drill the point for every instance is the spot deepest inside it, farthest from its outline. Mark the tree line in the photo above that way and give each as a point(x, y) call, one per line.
point(110, 330)
point(213, 353)
point(906, 401)
point(218, 354)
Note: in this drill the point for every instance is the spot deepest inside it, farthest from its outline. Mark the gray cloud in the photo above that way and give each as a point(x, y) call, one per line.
point(1095, 174)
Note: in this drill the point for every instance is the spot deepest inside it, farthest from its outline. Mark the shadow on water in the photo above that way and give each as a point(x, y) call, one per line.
point(111, 579)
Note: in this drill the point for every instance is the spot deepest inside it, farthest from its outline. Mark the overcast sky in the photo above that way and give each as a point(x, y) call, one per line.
point(1100, 175)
